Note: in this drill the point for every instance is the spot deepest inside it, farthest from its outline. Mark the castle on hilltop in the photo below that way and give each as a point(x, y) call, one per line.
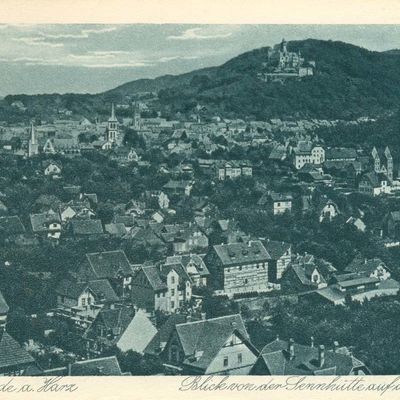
point(282, 64)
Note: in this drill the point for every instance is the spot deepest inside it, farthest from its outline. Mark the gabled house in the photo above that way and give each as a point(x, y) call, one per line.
point(373, 268)
point(47, 225)
point(194, 266)
point(80, 302)
point(374, 184)
point(123, 327)
point(182, 187)
point(184, 238)
point(157, 344)
point(166, 287)
point(111, 265)
point(76, 209)
point(71, 293)
point(217, 346)
point(282, 357)
point(278, 203)
point(306, 273)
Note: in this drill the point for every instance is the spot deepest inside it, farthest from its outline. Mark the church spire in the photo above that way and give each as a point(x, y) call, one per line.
point(33, 136)
point(112, 111)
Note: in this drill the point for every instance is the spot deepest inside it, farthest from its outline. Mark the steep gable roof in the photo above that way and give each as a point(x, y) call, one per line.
point(202, 340)
point(106, 366)
point(11, 353)
point(156, 344)
point(276, 249)
point(107, 264)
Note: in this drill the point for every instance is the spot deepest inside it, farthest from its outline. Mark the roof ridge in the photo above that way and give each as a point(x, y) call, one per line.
point(95, 359)
point(210, 320)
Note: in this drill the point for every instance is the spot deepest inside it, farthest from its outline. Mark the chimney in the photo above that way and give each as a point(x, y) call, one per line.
point(321, 355)
point(335, 345)
point(312, 341)
point(277, 336)
point(203, 316)
point(69, 369)
point(291, 349)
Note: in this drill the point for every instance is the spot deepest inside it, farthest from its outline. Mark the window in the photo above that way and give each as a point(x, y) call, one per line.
point(89, 300)
point(225, 361)
point(246, 281)
point(239, 358)
point(172, 292)
point(83, 302)
point(172, 304)
point(240, 268)
point(172, 279)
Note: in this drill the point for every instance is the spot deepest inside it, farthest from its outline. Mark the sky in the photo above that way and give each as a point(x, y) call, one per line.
point(93, 58)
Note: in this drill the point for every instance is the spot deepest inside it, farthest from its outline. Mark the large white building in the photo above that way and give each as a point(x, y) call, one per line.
point(307, 153)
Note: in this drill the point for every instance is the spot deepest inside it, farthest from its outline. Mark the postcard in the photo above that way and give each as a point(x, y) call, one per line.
point(199, 200)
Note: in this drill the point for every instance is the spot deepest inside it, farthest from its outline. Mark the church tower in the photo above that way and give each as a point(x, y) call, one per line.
point(112, 127)
point(33, 147)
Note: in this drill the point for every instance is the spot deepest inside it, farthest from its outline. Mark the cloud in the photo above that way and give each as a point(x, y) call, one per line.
point(36, 41)
point(174, 58)
point(194, 34)
point(83, 34)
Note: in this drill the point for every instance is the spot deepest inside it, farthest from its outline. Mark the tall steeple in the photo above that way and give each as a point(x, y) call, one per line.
point(33, 135)
point(112, 112)
point(33, 146)
point(112, 127)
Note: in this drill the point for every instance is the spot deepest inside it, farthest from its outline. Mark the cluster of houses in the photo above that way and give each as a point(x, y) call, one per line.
point(110, 302)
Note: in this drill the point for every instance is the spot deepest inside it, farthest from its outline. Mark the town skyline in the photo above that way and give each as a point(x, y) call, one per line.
point(39, 58)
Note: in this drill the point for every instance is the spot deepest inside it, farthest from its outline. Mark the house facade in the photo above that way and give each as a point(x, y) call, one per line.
point(239, 267)
point(233, 169)
point(188, 351)
point(307, 153)
point(166, 287)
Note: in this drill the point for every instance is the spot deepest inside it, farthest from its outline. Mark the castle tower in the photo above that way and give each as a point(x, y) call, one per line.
point(112, 127)
point(136, 116)
point(33, 147)
point(284, 46)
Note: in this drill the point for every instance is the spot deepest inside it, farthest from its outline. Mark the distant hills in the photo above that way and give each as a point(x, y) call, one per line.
point(349, 81)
